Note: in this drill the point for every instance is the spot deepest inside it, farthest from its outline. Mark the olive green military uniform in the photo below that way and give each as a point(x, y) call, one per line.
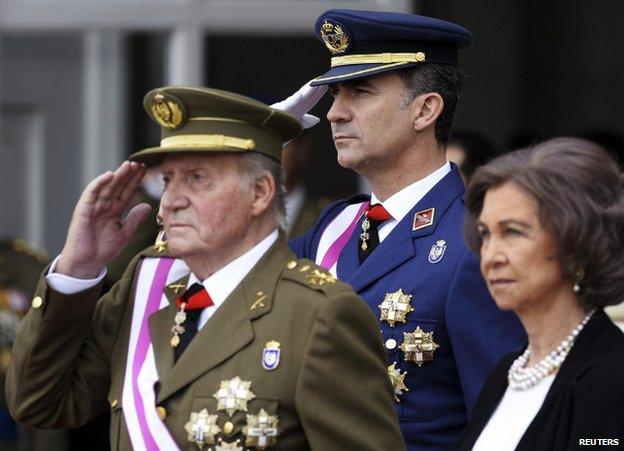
point(330, 390)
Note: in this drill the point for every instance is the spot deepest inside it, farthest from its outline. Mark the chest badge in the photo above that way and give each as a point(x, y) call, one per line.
point(397, 379)
point(234, 395)
point(261, 430)
point(202, 428)
point(437, 251)
point(423, 218)
point(271, 355)
point(395, 307)
point(418, 346)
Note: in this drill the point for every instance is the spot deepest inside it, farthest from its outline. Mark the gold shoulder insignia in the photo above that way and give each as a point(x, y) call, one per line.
point(319, 278)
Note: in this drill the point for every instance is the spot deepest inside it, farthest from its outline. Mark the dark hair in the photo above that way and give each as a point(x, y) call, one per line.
point(580, 196)
point(444, 79)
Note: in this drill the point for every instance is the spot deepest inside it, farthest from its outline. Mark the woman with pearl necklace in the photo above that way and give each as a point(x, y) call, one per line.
point(548, 224)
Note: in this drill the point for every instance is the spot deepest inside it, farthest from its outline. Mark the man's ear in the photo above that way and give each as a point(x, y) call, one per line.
point(426, 108)
point(264, 191)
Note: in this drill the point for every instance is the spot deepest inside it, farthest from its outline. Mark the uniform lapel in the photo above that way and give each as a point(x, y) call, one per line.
point(229, 329)
point(160, 324)
point(399, 246)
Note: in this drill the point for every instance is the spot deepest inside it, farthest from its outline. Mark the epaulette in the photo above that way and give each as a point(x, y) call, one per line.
point(313, 276)
point(24, 247)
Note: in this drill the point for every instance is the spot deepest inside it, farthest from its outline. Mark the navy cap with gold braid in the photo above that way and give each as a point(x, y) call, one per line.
point(198, 119)
point(365, 43)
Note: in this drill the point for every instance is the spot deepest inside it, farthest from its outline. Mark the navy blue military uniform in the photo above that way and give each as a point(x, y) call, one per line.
point(424, 256)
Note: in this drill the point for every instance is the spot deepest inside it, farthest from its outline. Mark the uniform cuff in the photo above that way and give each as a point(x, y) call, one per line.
point(70, 285)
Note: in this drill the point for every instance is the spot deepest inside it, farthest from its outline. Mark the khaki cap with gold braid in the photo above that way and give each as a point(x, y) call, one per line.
point(198, 119)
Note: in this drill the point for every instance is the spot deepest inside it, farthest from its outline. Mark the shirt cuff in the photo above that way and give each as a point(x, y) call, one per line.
point(70, 285)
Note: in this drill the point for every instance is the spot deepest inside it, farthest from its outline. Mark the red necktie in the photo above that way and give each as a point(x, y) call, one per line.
point(369, 238)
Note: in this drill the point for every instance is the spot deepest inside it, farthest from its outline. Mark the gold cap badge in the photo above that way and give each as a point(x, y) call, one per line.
point(334, 37)
point(168, 111)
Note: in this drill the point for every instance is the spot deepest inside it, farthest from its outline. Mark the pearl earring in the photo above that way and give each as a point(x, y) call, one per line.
point(579, 274)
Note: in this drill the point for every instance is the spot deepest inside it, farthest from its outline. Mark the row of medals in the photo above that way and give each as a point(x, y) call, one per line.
point(260, 430)
point(418, 346)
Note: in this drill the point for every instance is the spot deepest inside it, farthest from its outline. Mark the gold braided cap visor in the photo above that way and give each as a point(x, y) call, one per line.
point(378, 58)
point(213, 135)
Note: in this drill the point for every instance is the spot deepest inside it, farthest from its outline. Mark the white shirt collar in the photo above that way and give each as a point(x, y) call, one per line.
point(400, 203)
point(221, 284)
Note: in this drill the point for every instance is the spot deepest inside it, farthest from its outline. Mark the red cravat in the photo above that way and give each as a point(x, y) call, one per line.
point(377, 212)
point(195, 298)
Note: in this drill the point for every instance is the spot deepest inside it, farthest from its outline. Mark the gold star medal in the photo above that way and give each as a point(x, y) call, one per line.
point(418, 346)
point(202, 428)
point(395, 307)
point(397, 379)
point(234, 395)
point(261, 430)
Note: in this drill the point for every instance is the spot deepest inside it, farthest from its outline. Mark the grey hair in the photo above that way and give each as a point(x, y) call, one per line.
point(252, 166)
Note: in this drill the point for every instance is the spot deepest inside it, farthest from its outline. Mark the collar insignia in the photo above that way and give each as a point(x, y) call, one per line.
point(423, 218)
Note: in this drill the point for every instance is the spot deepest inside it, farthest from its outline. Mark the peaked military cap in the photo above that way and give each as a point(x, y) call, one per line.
point(365, 43)
point(198, 119)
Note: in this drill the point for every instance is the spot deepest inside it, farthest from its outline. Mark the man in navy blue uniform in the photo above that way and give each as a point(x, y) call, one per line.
point(395, 83)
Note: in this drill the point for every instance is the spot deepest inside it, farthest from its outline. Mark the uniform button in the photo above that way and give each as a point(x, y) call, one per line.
point(162, 413)
point(37, 302)
point(114, 403)
point(228, 427)
point(391, 343)
point(291, 264)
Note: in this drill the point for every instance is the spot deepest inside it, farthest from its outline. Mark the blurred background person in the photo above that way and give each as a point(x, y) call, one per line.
point(20, 266)
point(469, 150)
point(302, 206)
point(548, 222)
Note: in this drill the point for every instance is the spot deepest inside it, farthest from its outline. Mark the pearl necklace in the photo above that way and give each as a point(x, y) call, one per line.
point(521, 378)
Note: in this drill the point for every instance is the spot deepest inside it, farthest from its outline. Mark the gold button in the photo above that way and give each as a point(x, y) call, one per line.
point(291, 264)
point(114, 403)
point(162, 413)
point(37, 302)
point(420, 57)
point(228, 427)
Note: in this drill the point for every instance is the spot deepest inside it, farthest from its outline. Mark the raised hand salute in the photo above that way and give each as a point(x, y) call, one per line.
point(98, 231)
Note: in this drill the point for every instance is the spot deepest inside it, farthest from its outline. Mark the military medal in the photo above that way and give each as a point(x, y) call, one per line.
point(261, 430)
point(271, 355)
point(178, 329)
point(233, 395)
point(195, 298)
point(365, 236)
point(418, 346)
point(397, 379)
point(395, 307)
point(202, 428)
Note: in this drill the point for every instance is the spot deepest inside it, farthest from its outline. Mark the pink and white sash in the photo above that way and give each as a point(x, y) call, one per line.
point(337, 234)
point(147, 432)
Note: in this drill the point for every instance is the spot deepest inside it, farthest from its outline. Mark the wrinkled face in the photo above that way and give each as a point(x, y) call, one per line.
point(518, 256)
point(206, 208)
point(369, 123)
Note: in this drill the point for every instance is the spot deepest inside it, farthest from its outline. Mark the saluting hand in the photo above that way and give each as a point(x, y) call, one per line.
point(98, 232)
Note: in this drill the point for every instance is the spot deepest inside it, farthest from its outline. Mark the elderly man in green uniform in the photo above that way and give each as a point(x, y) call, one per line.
point(217, 338)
